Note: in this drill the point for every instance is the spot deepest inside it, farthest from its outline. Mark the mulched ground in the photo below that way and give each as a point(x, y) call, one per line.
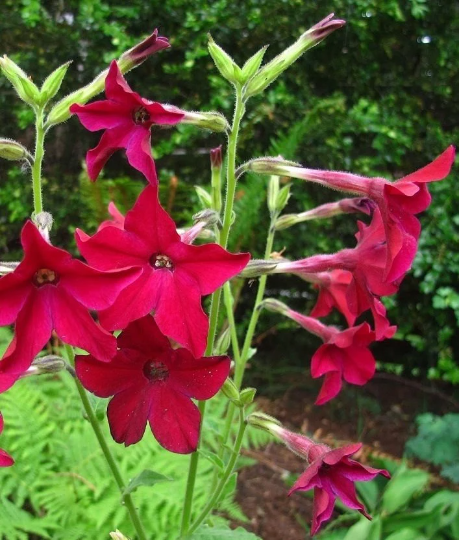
point(381, 415)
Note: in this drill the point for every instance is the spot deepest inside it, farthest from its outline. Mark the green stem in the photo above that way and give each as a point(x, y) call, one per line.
point(215, 497)
point(215, 303)
point(38, 160)
point(127, 499)
point(231, 322)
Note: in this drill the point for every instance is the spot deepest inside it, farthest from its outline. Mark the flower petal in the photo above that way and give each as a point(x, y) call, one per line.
point(127, 414)
point(324, 502)
point(103, 115)
point(199, 378)
point(174, 420)
point(5, 459)
point(138, 152)
point(144, 335)
point(117, 89)
point(75, 326)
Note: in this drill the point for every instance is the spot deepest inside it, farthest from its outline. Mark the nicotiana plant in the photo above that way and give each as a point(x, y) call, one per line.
point(135, 305)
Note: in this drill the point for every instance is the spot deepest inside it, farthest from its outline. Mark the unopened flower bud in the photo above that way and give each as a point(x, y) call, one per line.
point(273, 191)
point(140, 52)
point(282, 198)
point(204, 197)
point(225, 64)
point(45, 364)
point(208, 216)
point(271, 304)
point(216, 177)
point(117, 535)
point(247, 396)
point(52, 83)
point(356, 205)
point(13, 151)
point(205, 120)
point(285, 59)
point(8, 267)
point(262, 421)
point(257, 268)
point(222, 343)
point(267, 165)
point(24, 87)
point(253, 65)
point(230, 390)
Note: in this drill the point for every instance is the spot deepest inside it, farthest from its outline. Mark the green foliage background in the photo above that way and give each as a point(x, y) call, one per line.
point(376, 98)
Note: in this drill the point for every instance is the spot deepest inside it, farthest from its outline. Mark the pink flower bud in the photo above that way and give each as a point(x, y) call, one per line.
point(140, 52)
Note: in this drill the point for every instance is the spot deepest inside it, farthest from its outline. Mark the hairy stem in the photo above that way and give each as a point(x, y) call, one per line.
point(38, 160)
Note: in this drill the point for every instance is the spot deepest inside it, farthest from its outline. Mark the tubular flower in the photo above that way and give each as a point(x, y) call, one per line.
point(366, 263)
point(5, 459)
point(344, 354)
point(398, 201)
point(331, 473)
point(127, 119)
point(153, 382)
point(50, 290)
point(174, 276)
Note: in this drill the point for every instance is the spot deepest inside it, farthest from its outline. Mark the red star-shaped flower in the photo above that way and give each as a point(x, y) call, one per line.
point(153, 382)
point(344, 354)
point(331, 473)
point(127, 119)
point(175, 275)
point(50, 290)
point(5, 459)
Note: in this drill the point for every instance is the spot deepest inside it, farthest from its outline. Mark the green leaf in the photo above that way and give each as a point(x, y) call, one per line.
point(406, 534)
point(365, 530)
point(219, 533)
point(404, 484)
point(213, 458)
point(145, 478)
point(225, 64)
point(411, 519)
point(369, 492)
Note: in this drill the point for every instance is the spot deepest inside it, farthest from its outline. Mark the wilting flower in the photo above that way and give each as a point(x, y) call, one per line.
point(127, 119)
point(398, 201)
point(330, 472)
point(153, 382)
point(344, 354)
point(175, 275)
point(5, 459)
point(50, 290)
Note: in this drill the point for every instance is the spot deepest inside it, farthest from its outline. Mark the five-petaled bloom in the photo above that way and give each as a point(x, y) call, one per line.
point(5, 459)
point(344, 354)
point(50, 290)
point(153, 382)
point(175, 275)
point(331, 473)
point(127, 119)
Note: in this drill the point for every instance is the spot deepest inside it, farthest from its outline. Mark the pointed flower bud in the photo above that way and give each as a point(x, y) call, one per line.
point(13, 151)
point(24, 87)
point(344, 206)
point(230, 390)
point(268, 165)
point(216, 177)
point(205, 120)
point(247, 396)
point(140, 52)
point(258, 267)
point(225, 64)
point(52, 83)
point(273, 191)
point(45, 364)
point(204, 197)
point(253, 65)
point(285, 59)
point(223, 341)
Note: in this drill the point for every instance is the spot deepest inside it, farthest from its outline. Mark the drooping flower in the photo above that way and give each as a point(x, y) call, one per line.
point(398, 201)
point(5, 459)
point(344, 354)
point(175, 275)
point(367, 265)
point(50, 290)
point(127, 119)
point(152, 382)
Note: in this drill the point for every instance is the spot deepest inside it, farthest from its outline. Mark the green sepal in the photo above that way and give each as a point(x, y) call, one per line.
point(53, 82)
point(252, 65)
point(225, 64)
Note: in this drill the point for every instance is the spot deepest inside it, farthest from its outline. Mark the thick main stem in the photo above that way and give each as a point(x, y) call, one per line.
point(215, 303)
point(127, 499)
point(38, 160)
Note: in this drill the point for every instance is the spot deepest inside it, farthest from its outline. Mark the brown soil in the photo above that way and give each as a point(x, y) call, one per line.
point(381, 415)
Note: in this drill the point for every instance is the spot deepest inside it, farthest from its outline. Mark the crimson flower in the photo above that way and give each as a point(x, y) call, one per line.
point(117, 218)
point(344, 354)
point(5, 459)
point(331, 473)
point(50, 290)
point(367, 266)
point(153, 382)
point(398, 201)
point(127, 119)
point(174, 278)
